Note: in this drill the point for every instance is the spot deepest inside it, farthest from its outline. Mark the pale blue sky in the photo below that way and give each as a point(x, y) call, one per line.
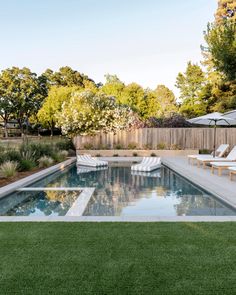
point(146, 41)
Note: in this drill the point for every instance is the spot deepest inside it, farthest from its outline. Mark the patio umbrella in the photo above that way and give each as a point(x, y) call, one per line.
point(231, 115)
point(214, 119)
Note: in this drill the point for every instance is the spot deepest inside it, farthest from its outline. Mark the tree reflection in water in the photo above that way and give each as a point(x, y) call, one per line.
point(44, 203)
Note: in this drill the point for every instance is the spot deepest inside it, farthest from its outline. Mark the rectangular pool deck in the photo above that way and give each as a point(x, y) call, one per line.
point(221, 187)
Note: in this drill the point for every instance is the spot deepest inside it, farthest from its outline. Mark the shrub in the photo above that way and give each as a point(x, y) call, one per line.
point(147, 147)
point(8, 169)
point(2, 149)
point(65, 145)
point(40, 150)
point(204, 152)
point(60, 156)
point(71, 153)
point(26, 165)
point(3, 158)
point(135, 154)
point(132, 146)
point(45, 161)
point(161, 146)
point(118, 146)
point(175, 147)
point(98, 155)
point(103, 147)
point(13, 156)
point(115, 155)
point(174, 121)
point(27, 153)
point(88, 146)
point(153, 155)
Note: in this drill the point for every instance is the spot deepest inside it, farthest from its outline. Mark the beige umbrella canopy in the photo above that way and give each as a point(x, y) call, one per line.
point(214, 119)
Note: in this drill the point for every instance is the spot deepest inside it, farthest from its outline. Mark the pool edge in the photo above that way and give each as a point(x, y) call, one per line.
point(10, 188)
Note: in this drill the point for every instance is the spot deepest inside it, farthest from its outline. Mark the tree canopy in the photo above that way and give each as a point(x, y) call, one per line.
point(87, 113)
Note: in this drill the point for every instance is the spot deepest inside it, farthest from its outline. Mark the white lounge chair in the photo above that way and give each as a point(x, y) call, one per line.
point(87, 160)
point(220, 166)
point(230, 158)
point(148, 164)
point(220, 152)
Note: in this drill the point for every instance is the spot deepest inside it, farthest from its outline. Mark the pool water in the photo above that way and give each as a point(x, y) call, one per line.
point(38, 203)
point(118, 192)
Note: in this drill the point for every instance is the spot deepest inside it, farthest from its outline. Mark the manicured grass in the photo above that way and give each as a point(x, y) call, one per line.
point(117, 258)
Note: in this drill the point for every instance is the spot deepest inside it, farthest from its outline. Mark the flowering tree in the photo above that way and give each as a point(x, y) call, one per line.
point(87, 113)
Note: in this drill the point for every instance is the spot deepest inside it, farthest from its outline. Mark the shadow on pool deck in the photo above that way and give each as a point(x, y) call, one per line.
point(221, 187)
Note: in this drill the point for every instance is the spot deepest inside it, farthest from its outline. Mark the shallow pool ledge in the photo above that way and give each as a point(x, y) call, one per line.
point(5, 190)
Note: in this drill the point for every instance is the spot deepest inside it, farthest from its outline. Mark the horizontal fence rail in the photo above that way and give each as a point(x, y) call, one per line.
point(158, 138)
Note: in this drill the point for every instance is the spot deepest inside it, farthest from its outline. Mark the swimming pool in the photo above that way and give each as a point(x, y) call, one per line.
point(118, 192)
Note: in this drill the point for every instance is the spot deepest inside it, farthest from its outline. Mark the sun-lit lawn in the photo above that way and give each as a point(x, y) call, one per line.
point(118, 258)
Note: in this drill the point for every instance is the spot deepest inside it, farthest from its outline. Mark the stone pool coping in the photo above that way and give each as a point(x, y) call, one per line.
point(117, 219)
point(10, 188)
point(70, 218)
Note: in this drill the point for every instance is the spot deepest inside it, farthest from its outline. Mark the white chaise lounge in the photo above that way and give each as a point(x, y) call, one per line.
point(220, 166)
point(87, 160)
point(220, 152)
point(148, 164)
point(230, 158)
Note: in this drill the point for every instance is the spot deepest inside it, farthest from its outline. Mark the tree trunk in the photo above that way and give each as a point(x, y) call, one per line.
point(52, 128)
point(21, 127)
point(5, 128)
point(52, 131)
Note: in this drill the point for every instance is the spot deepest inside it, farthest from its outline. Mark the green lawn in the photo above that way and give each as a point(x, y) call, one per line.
point(118, 258)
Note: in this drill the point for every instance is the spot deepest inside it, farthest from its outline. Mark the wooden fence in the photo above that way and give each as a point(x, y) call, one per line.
point(159, 138)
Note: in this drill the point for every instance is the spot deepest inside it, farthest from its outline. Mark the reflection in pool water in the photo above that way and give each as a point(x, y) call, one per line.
point(119, 193)
point(38, 203)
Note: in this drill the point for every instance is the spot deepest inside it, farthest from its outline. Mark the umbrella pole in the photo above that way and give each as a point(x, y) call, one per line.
point(214, 152)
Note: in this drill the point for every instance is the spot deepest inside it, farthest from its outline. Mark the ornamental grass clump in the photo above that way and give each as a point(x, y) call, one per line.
point(60, 156)
point(45, 162)
point(8, 169)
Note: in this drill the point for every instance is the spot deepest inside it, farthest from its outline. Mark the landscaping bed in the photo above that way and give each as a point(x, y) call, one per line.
point(117, 258)
point(18, 176)
point(137, 153)
point(28, 158)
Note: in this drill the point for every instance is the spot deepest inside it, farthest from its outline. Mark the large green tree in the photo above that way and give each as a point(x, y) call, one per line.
point(190, 83)
point(6, 105)
point(113, 86)
point(221, 41)
point(66, 76)
point(22, 93)
point(166, 101)
point(52, 105)
point(226, 10)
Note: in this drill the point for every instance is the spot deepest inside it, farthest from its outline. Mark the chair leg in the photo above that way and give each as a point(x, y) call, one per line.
point(219, 171)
